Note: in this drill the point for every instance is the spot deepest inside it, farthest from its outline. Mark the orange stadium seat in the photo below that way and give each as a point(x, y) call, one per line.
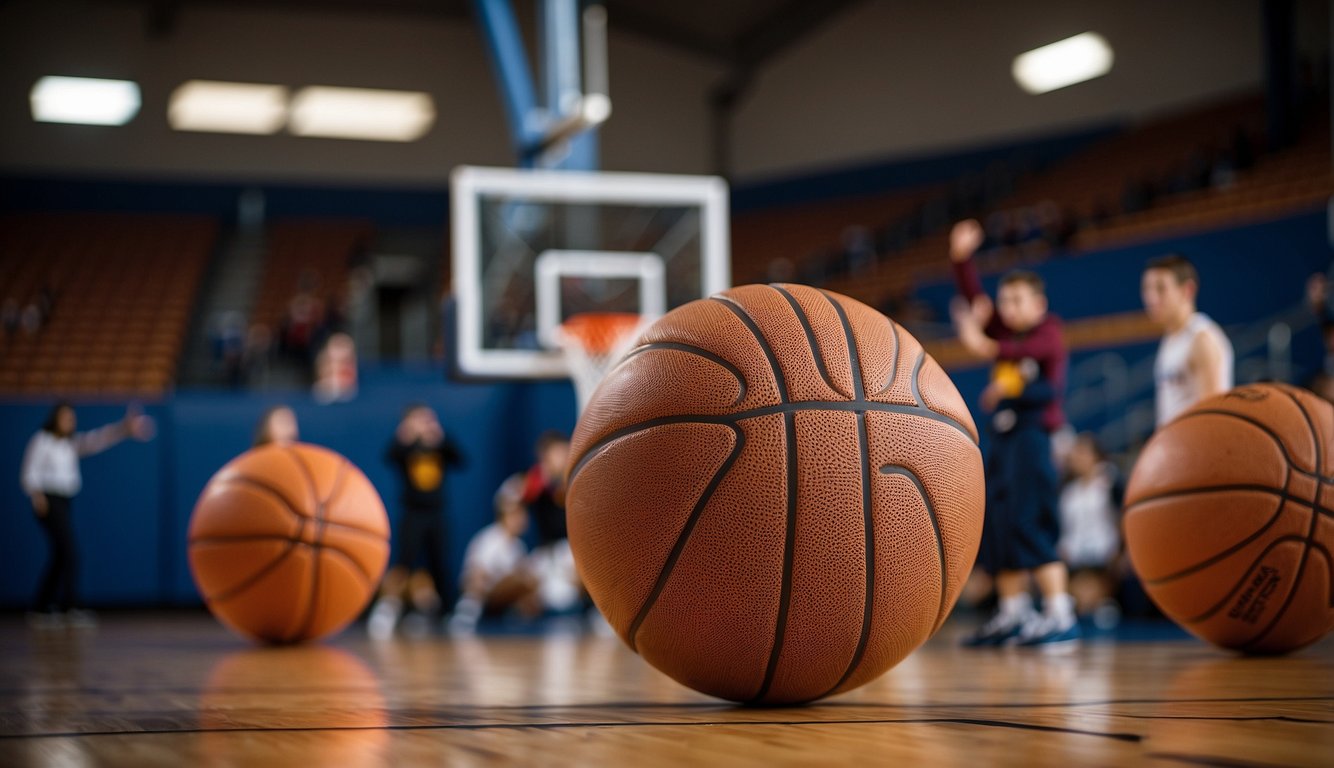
point(121, 286)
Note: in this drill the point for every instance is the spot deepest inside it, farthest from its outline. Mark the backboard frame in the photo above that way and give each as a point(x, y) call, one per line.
point(469, 183)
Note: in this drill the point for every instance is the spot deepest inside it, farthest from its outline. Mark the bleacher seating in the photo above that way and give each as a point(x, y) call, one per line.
point(1294, 179)
point(122, 287)
point(318, 251)
point(798, 231)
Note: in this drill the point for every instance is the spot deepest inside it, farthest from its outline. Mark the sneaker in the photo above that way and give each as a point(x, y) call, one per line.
point(1049, 631)
point(1107, 615)
point(415, 625)
point(383, 619)
point(461, 624)
point(999, 630)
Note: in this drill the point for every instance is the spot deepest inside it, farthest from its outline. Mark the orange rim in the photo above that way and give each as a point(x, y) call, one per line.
point(599, 332)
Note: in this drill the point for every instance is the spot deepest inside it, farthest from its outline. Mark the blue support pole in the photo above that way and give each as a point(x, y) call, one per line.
point(504, 46)
point(560, 55)
point(561, 64)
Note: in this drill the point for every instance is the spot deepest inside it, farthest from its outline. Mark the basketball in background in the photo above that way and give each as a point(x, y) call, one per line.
point(1228, 518)
point(776, 495)
point(288, 543)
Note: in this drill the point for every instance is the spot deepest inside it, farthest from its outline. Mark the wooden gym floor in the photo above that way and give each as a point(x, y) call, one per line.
point(177, 689)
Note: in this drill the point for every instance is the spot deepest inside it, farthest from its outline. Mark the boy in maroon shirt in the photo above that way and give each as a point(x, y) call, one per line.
point(1028, 381)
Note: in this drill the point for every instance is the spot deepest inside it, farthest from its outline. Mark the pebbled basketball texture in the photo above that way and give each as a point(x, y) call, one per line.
point(1229, 518)
point(288, 543)
point(776, 495)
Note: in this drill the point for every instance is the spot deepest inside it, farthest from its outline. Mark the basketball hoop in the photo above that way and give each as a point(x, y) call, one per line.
point(592, 343)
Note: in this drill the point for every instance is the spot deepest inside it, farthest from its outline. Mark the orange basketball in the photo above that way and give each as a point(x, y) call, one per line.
point(288, 543)
point(1230, 518)
point(776, 495)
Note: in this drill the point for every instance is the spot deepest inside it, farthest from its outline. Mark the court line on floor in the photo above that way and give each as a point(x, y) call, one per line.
point(1238, 718)
point(1129, 737)
point(1214, 762)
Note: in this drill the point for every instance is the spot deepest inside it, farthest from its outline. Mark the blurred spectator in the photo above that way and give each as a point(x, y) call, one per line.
point(304, 319)
point(33, 316)
point(336, 370)
point(228, 342)
point(552, 563)
point(544, 487)
point(422, 453)
point(1090, 540)
point(256, 354)
point(51, 478)
point(277, 426)
point(494, 576)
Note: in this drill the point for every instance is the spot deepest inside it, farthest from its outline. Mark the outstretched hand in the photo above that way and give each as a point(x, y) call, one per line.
point(965, 238)
point(137, 425)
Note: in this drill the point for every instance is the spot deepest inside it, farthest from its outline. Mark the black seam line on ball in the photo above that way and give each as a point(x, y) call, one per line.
point(1206, 489)
point(254, 578)
point(750, 324)
point(1273, 519)
point(894, 364)
point(260, 485)
point(854, 357)
point(305, 472)
point(362, 573)
point(914, 383)
point(1310, 530)
point(1216, 607)
point(1278, 441)
point(691, 349)
point(321, 511)
point(672, 557)
point(897, 469)
point(1329, 565)
point(816, 352)
point(853, 406)
point(868, 527)
point(789, 549)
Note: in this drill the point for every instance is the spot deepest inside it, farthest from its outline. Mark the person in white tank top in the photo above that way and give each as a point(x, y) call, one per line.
point(1195, 357)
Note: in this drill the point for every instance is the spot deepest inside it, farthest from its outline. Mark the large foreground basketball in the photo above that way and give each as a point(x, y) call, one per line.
point(288, 543)
point(776, 495)
point(1230, 518)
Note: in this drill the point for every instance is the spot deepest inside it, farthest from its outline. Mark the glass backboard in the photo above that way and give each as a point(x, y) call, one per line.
point(531, 248)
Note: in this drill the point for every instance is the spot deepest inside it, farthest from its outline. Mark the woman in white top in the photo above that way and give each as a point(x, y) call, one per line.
point(51, 478)
point(1195, 357)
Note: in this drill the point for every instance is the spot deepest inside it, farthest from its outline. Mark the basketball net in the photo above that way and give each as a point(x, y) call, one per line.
point(593, 342)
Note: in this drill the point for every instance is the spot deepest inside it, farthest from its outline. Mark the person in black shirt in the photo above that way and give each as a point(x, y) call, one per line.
point(422, 454)
point(551, 562)
point(544, 487)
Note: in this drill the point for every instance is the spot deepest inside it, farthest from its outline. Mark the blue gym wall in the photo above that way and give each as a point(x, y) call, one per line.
point(132, 516)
